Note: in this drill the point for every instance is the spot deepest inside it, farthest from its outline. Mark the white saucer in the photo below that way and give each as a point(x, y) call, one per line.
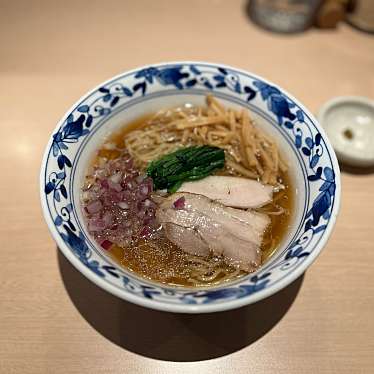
point(349, 125)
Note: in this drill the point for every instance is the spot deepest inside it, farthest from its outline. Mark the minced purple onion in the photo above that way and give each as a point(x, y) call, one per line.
point(179, 203)
point(117, 203)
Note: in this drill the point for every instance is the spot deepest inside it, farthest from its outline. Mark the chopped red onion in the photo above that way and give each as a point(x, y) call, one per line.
point(147, 220)
point(127, 196)
point(149, 183)
point(142, 193)
point(106, 244)
point(123, 205)
point(179, 203)
point(114, 186)
point(144, 190)
point(96, 225)
point(99, 173)
point(127, 223)
point(128, 185)
point(111, 197)
point(141, 213)
point(104, 183)
point(145, 232)
point(116, 178)
point(119, 208)
point(94, 207)
point(107, 219)
point(140, 178)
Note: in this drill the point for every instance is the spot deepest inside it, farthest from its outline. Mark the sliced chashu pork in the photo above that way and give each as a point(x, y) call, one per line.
point(201, 225)
point(231, 191)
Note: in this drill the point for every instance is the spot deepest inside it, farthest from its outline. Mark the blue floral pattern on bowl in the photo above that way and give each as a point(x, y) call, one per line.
point(295, 124)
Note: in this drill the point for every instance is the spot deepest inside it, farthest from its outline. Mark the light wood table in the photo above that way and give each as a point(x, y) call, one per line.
point(52, 320)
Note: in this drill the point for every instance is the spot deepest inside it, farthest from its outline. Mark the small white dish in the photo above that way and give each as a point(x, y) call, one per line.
point(349, 125)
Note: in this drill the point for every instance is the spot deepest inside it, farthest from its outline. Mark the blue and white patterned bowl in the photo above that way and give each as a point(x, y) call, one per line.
point(314, 170)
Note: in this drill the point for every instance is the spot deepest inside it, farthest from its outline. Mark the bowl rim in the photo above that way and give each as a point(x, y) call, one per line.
point(191, 308)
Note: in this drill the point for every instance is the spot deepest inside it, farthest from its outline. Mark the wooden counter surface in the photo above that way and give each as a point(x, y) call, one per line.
point(53, 320)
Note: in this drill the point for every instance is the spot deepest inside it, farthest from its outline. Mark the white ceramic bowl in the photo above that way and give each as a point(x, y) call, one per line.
point(313, 167)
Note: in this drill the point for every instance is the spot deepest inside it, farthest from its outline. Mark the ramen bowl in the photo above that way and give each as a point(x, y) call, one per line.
point(313, 169)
